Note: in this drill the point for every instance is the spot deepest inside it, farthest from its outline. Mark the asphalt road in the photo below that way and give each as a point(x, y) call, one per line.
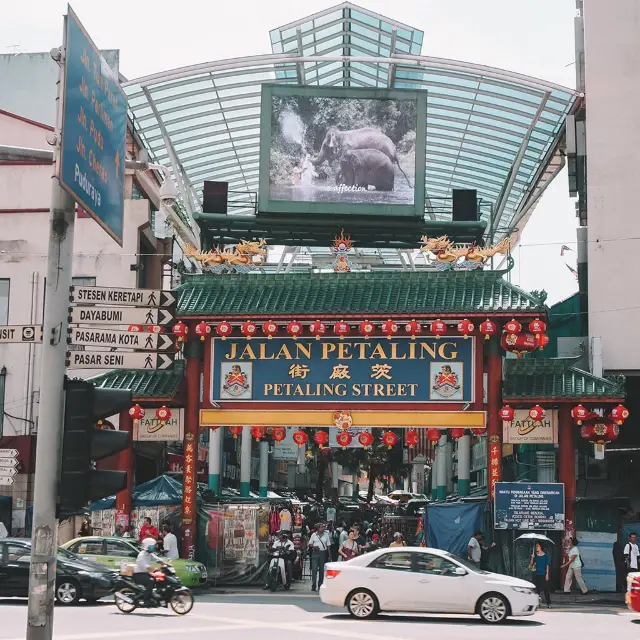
point(279, 616)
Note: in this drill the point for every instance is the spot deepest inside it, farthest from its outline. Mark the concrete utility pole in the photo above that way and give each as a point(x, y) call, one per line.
point(42, 576)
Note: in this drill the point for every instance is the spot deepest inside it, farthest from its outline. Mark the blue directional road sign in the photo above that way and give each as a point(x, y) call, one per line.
point(93, 131)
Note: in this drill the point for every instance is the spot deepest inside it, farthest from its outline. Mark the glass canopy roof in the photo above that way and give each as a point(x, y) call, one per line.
point(495, 131)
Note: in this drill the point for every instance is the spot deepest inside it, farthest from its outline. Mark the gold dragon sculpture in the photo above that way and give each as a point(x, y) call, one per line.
point(448, 255)
point(245, 256)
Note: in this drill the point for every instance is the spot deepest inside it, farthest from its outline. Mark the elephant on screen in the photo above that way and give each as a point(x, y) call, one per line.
point(366, 167)
point(337, 142)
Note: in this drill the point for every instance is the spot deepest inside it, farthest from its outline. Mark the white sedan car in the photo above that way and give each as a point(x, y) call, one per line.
point(419, 579)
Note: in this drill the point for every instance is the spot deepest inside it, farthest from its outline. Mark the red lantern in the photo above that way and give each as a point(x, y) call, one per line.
point(579, 414)
point(438, 328)
point(456, 433)
point(344, 439)
point(390, 328)
point(258, 432)
point(163, 414)
point(537, 327)
point(507, 414)
point(155, 328)
point(488, 328)
point(478, 431)
point(619, 414)
point(365, 438)
point(317, 329)
point(465, 327)
point(248, 329)
point(270, 329)
point(136, 412)
point(433, 435)
point(412, 438)
point(234, 431)
point(518, 343)
point(203, 330)
point(600, 432)
point(413, 329)
point(294, 329)
point(135, 328)
point(389, 439)
point(279, 434)
point(341, 328)
point(542, 340)
point(224, 329)
point(537, 413)
point(321, 438)
point(180, 329)
point(300, 437)
point(513, 326)
point(367, 329)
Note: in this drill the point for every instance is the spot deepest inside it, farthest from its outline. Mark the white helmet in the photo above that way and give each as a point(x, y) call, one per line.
point(148, 542)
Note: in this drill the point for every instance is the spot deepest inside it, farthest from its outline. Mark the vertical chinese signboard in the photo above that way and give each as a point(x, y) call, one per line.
point(494, 469)
point(189, 487)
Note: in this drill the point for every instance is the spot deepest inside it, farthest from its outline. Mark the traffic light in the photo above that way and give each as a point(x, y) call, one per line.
point(83, 444)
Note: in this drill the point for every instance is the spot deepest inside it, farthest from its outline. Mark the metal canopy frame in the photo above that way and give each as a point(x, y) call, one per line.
point(496, 131)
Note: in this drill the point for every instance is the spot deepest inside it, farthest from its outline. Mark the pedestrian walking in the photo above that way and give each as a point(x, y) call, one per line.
point(574, 564)
point(319, 545)
point(349, 548)
point(540, 565)
point(398, 540)
point(475, 547)
point(631, 553)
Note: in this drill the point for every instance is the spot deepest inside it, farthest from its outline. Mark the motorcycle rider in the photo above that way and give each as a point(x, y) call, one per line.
point(287, 548)
point(142, 571)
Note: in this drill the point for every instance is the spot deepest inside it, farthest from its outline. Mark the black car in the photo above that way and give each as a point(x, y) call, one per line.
point(76, 578)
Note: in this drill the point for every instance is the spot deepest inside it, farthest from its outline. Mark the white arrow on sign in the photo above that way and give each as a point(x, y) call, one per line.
point(115, 315)
point(121, 339)
point(5, 481)
point(127, 297)
point(8, 472)
point(8, 453)
point(21, 333)
point(8, 463)
point(118, 360)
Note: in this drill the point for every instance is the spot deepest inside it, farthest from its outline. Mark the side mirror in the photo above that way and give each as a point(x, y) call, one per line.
point(460, 572)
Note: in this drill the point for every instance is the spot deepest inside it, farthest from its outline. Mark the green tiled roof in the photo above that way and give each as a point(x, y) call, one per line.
point(378, 292)
point(556, 379)
point(145, 385)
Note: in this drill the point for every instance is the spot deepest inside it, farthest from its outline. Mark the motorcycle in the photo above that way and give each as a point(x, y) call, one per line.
point(167, 591)
point(278, 569)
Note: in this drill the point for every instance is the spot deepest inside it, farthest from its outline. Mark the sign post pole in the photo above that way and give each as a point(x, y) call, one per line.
point(42, 575)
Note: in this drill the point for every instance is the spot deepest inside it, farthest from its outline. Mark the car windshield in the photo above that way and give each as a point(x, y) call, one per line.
point(63, 553)
point(465, 563)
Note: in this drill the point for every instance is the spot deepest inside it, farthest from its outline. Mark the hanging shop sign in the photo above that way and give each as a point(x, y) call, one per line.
point(286, 449)
point(151, 429)
point(534, 505)
point(355, 370)
point(523, 430)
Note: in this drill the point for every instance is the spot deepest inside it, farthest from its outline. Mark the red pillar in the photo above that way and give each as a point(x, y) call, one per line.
point(494, 424)
point(567, 473)
point(124, 498)
point(190, 473)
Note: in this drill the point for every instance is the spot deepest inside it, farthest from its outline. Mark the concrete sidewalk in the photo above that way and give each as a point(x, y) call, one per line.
point(595, 598)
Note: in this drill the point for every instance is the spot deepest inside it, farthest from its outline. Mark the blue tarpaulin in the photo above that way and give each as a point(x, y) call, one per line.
point(161, 490)
point(450, 526)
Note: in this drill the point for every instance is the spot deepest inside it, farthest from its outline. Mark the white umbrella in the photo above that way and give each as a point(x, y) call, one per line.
point(535, 536)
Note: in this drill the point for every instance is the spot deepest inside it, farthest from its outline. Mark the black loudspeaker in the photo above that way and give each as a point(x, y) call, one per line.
point(465, 205)
point(215, 197)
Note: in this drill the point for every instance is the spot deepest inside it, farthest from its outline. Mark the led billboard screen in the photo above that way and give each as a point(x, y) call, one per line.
point(340, 150)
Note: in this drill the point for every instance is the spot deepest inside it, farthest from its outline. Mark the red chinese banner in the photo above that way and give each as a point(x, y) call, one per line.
point(494, 467)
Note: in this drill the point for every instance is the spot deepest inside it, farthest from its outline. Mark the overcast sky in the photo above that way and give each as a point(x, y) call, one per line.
point(534, 37)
